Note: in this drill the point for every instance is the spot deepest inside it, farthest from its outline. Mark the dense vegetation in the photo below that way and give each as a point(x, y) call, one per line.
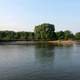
point(16, 36)
point(77, 36)
point(41, 32)
point(65, 35)
point(45, 32)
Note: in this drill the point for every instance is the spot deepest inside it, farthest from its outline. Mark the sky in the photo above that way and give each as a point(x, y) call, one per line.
point(24, 15)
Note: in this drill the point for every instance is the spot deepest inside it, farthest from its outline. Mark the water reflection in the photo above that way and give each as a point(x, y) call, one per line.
point(39, 62)
point(44, 53)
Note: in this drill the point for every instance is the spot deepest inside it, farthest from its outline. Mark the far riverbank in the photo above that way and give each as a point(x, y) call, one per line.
point(59, 42)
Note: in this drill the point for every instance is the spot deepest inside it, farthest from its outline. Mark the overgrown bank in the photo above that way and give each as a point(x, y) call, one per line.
point(43, 32)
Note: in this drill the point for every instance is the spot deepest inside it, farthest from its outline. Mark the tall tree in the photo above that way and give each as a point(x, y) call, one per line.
point(45, 31)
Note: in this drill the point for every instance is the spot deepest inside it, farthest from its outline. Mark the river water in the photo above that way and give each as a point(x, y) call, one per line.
point(39, 62)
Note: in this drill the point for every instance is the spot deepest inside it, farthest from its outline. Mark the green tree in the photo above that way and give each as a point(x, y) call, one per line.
point(60, 35)
point(7, 35)
point(45, 31)
point(68, 35)
point(77, 36)
point(24, 36)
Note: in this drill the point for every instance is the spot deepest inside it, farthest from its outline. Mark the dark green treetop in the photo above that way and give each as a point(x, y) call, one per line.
point(77, 36)
point(45, 31)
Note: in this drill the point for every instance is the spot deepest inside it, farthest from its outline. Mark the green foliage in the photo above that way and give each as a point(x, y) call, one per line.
point(68, 35)
point(60, 35)
point(7, 35)
point(77, 36)
point(45, 32)
point(21, 36)
point(65, 35)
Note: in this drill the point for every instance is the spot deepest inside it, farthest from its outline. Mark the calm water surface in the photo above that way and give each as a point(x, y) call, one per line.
point(39, 62)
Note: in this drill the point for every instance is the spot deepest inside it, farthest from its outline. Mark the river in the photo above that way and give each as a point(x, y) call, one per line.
point(39, 62)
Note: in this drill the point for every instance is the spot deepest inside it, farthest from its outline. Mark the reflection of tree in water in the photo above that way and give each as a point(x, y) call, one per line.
point(44, 53)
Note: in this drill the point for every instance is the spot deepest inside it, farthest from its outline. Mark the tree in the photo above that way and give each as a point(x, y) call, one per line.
point(45, 31)
point(7, 35)
point(60, 35)
point(24, 36)
point(65, 35)
point(68, 35)
point(77, 36)
point(30, 36)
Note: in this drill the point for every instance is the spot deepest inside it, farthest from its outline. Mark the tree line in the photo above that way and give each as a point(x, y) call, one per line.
point(16, 36)
point(43, 31)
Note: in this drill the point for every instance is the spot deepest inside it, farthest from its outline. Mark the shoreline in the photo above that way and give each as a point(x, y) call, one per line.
point(59, 42)
point(21, 42)
point(63, 42)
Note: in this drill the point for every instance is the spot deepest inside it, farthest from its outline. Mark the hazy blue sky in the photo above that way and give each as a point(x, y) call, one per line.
point(24, 14)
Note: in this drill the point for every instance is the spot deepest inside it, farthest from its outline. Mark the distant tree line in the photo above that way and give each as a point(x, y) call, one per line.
point(65, 35)
point(16, 36)
point(44, 31)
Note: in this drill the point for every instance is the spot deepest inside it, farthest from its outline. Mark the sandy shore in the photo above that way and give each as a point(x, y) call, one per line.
point(68, 42)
